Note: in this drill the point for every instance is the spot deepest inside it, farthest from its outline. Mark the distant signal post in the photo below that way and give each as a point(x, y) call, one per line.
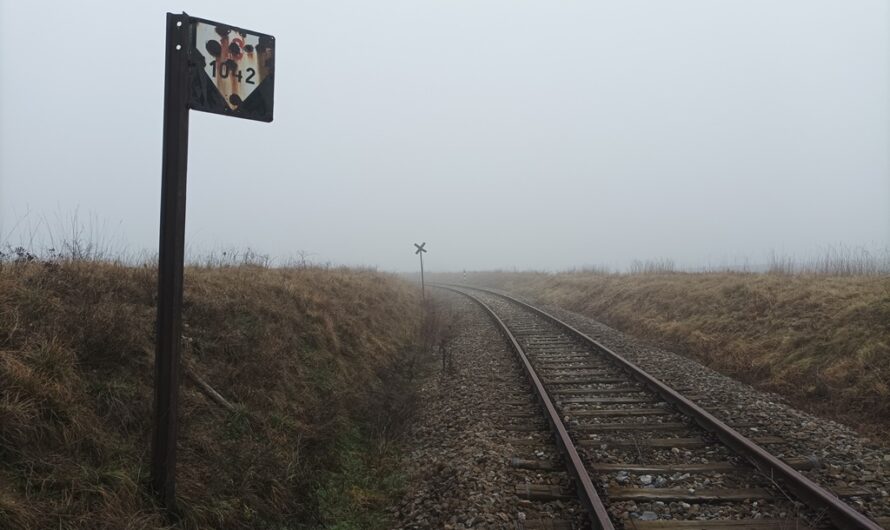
point(215, 68)
point(420, 250)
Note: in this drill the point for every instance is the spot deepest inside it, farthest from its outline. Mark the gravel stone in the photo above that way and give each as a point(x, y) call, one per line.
point(648, 516)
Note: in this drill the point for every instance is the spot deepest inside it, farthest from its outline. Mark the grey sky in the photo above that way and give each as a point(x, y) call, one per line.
point(507, 133)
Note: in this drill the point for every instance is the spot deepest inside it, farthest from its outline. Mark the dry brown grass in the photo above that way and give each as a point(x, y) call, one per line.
point(302, 353)
point(823, 341)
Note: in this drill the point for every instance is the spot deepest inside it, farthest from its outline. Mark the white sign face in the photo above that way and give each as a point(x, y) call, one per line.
point(236, 61)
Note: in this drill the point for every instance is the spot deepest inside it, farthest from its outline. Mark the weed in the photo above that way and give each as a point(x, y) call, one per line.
point(354, 496)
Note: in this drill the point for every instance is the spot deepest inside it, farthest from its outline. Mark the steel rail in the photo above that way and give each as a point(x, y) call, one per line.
point(815, 496)
point(599, 517)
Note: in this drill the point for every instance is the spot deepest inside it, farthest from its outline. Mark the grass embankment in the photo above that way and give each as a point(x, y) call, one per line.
point(308, 357)
point(822, 341)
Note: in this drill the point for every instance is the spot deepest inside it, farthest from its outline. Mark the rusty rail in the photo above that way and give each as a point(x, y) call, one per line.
point(599, 517)
point(818, 498)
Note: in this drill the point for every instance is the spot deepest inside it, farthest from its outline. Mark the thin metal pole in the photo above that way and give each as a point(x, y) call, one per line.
point(422, 286)
point(171, 252)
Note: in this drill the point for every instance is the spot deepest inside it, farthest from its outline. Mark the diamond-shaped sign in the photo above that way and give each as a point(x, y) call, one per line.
point(233, 70)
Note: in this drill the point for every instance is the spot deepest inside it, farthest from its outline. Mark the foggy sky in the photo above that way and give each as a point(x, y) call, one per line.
point(527, 134)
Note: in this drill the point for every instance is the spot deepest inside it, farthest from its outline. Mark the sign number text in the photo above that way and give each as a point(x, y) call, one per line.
point(225, 70)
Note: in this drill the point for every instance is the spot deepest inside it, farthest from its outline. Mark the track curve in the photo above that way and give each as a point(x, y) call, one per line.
point(521, 322)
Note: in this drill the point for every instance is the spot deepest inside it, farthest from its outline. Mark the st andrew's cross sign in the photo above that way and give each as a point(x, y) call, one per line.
point(211, 67)
point(420, 250)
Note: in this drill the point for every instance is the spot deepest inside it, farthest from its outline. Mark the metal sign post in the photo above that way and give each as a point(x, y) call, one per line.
point(420, 250)
point(170, 260)
point(247, 56)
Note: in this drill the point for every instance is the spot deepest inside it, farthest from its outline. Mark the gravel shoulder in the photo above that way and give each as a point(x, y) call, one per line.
point(458, 452)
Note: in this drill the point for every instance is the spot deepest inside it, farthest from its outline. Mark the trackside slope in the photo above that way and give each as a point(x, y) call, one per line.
point(304, 355)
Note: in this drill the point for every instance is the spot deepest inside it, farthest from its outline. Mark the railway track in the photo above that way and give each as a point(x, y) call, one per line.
point(632, 444)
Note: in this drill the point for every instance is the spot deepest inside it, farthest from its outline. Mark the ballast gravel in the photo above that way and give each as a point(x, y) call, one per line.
point(458, 452)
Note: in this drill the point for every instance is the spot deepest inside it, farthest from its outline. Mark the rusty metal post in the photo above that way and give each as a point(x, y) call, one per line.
point(171, 252)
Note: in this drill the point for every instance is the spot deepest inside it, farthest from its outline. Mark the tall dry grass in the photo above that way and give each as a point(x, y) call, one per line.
point(305, 356)
point(822, 340)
